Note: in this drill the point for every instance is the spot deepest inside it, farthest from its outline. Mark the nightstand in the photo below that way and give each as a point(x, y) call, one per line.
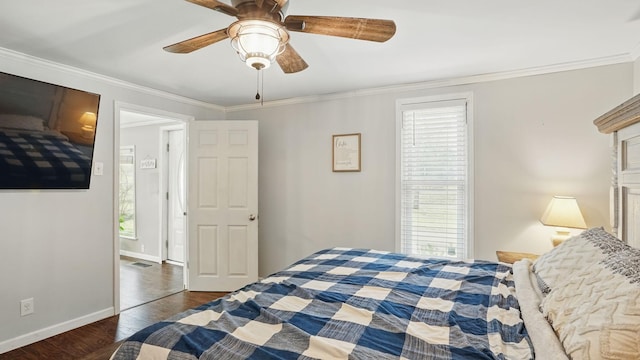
point(77, 138)
point(83, 144)
point(511, 257)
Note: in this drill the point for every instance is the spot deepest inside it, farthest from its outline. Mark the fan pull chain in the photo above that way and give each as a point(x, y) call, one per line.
point(260, 87)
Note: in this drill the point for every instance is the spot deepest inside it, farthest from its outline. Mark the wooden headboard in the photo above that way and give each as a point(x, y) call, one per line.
point(620, 117)
point(623, 122)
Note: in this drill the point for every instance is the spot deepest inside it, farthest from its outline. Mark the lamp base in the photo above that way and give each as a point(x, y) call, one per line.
point(559, 237)
point(87, 132)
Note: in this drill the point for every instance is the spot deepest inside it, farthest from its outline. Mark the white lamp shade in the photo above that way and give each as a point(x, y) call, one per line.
point(563, 211)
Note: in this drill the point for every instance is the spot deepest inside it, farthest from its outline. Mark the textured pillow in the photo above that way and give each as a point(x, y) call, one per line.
point(573, 255)
point(596, 312)
point(21, 122)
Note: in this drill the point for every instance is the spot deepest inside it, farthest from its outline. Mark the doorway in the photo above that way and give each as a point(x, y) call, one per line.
point(147, 269)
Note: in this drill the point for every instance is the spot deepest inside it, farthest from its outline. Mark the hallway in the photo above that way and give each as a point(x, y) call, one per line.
point(143, 281)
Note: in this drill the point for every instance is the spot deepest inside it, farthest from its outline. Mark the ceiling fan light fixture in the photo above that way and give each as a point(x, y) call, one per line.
point(258, 42)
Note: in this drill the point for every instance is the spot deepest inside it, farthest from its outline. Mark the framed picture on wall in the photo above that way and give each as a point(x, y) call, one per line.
point(346, 152)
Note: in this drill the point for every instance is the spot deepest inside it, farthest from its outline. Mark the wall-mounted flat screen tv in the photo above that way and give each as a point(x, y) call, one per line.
point(47, 134)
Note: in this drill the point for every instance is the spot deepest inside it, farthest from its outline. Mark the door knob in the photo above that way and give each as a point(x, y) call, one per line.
point(252, 217)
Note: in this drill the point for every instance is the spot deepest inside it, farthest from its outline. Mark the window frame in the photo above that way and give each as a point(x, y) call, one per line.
point(403, 105)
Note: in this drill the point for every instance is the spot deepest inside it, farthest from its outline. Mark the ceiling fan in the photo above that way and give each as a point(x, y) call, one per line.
point(261, 34)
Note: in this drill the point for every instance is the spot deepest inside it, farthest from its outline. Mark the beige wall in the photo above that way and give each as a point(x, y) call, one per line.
point(534, 138)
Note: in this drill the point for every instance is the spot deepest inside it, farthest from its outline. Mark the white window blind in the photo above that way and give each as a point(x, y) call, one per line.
point(434, 179)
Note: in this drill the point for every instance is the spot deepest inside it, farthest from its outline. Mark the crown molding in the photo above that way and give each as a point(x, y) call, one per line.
point(575, 65)
point(35, 61)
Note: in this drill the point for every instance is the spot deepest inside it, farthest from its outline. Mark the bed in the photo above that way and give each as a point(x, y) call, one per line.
point(361, 303)
point(41, 159)
point(581, 300)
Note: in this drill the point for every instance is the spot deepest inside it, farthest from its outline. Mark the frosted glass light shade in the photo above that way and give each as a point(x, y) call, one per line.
point(258, 42)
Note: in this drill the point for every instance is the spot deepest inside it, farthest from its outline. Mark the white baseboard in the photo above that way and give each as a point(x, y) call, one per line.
point(141, 256)
point(53, 330)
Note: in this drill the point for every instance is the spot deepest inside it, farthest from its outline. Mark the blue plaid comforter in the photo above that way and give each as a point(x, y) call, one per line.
point(41, 160)
point(352, 304)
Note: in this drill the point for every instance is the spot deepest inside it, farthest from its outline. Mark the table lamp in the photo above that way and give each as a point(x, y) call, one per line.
point(88, 121)
point(563, 211)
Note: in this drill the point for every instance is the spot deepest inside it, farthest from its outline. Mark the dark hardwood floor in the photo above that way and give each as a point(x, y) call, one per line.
point(143, 281)
point(97, 341)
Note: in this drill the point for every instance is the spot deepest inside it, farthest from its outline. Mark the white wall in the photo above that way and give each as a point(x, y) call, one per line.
point(58, 246)
point(534, 138)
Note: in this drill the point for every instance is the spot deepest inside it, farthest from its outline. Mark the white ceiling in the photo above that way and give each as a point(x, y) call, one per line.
point(435, 40)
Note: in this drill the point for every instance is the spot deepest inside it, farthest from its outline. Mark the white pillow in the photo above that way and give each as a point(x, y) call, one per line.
point(596, 311)
point(573, 255)
point(21, 122)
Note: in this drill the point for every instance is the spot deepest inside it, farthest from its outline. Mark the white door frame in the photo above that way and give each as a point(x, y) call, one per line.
point(118, 107)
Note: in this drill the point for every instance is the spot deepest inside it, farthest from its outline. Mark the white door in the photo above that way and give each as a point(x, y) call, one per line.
point(176, 209)
point(223, 205)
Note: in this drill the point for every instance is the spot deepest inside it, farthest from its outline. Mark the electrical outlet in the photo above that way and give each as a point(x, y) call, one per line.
point(142, 247)
point(26, 307)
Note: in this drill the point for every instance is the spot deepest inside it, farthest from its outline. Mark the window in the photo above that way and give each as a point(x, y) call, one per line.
point(127, 192)
point(434, 177)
